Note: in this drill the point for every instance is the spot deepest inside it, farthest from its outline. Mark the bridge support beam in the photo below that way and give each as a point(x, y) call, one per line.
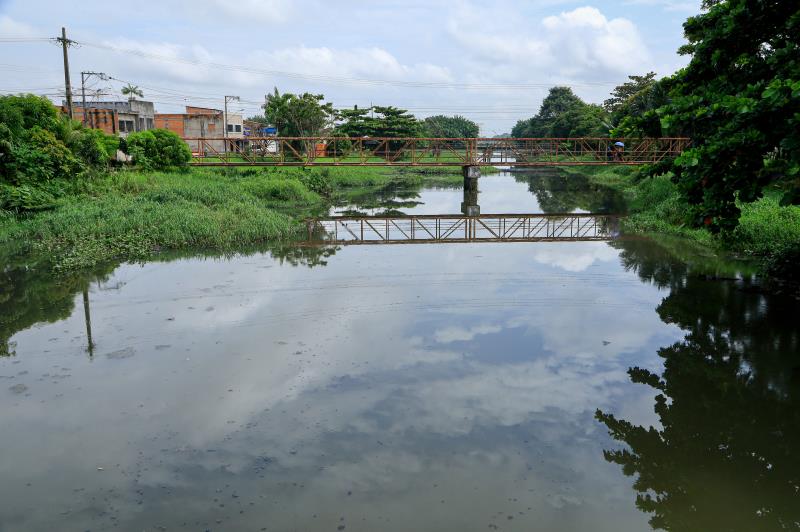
point(470, 205)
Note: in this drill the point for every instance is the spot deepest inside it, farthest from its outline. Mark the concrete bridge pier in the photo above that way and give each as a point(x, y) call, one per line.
point(470, 205)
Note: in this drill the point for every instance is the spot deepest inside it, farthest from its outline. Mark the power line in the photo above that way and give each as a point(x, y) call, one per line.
point(337, 79)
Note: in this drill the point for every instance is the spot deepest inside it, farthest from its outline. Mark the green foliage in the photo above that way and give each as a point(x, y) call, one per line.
point(93, 146)
point(318, 181)
point(633, 99)
point(298, 115)
point(140, 214)
point(563, 114)
point(158, 149)
point(377, 122)
point(132, 91)
point(739, 101)
point(40, 150)
point(25, 198)
point(450, 127)
point(284, 190)
point(766, 228)
point(24, 112)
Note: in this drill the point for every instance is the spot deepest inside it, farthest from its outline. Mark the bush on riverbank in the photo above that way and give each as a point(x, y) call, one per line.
point(158, 149)
point(43, 154)
point(766, 230)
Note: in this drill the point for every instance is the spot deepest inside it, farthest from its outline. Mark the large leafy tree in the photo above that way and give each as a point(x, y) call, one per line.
point(450, 127)
point(634, 88)
point(303, 115)
point(739, 101)
point(563, 114)
point(377, 121)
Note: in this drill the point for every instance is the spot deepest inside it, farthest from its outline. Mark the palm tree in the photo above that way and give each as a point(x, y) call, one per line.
point(132, 91)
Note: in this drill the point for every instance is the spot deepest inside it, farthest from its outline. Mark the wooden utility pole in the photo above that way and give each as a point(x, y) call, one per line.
point(65, 43)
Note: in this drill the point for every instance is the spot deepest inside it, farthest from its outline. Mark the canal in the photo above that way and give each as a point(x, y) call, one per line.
point(605, 386)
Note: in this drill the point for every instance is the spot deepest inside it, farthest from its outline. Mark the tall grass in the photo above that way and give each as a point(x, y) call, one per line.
point(131, 215)
point(135, 215)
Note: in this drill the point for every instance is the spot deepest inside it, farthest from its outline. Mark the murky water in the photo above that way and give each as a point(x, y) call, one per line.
point(439, 387)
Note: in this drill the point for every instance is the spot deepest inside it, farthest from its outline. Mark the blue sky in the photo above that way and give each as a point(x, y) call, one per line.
point(489, 61)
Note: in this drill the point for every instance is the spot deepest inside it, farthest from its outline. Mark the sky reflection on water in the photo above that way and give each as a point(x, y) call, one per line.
point(446, 387)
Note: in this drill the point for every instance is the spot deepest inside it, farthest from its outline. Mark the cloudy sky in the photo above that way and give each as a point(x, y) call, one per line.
point(489, 61)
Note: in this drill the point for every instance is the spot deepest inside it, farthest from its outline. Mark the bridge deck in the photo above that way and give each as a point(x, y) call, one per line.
point(432, 229)
point(340, 151)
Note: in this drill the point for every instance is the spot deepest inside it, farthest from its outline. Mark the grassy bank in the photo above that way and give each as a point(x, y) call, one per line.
point(766, 229)
point(130, 215)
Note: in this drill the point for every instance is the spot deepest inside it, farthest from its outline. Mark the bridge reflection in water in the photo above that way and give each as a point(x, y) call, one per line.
point(454, 228)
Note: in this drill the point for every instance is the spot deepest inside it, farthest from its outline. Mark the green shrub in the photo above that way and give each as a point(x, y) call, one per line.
point(766, 228)
point(93, 147)
point(318, 181)
point(25, 198)
point(158, 149)
point(284, 190)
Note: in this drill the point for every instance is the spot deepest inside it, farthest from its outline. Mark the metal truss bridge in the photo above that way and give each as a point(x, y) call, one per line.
point(454, 228)
point(342, 151)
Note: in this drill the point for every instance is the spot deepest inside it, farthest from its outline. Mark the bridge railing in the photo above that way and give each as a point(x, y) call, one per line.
point(431, 229)
point(371, 151)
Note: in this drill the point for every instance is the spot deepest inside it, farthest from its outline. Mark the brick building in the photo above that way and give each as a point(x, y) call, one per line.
point(115, 117)
point(200, 123)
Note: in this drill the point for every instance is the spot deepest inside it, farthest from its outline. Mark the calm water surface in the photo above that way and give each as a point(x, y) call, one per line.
point(438, 387)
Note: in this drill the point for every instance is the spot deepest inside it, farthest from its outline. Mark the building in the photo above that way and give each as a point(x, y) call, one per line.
point(115, 117)
point(204, 123)
point(257, 129)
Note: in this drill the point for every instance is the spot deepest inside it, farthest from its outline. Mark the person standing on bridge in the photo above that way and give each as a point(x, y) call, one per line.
point(619, 148)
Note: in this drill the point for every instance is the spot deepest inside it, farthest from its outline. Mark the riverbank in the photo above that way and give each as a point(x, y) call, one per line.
point(132, 215)
point(767, 231)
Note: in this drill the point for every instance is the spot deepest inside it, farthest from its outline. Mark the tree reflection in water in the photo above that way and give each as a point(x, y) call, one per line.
point(726, 455)
point(30, 295)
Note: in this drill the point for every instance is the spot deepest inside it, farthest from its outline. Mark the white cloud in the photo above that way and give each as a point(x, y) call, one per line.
point(13, 28)
point(574, 258)
point(582, 44)
point(462, 334)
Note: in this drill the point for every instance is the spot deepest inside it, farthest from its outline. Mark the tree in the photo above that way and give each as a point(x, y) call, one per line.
point(378, 122)
point(634, 89)
point(739, 101)
point(563, 114)
point(132, 91)
point(298, 115)
point(450, 127)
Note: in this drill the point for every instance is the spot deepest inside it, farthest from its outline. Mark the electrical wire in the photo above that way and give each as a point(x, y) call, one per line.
point(337, 79)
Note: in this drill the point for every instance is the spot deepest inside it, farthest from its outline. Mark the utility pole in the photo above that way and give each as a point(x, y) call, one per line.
point(225, 124)
point(66, 43)
point(84, 77)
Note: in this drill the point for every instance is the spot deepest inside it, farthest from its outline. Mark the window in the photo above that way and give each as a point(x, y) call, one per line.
point(230, 128)
point(126, 126)
point(238, 128)
point(149, 123)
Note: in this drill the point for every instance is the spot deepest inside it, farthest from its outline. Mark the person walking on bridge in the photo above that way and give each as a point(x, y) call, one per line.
point(619, 148)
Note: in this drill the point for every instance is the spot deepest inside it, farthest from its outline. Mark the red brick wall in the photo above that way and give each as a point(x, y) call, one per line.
point(102, 119)
point(172, 122)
